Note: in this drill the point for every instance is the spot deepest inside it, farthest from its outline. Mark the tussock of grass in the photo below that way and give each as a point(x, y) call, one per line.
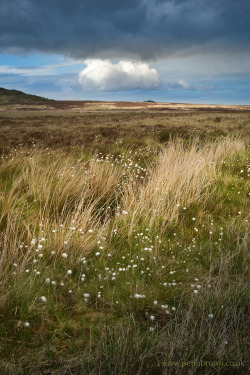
point(145, 233)
point(181, 177)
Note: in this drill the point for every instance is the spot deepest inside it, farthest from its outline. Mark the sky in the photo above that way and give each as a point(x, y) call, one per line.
point(184, 51)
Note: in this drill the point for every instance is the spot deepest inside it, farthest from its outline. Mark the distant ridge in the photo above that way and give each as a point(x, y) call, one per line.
point(19, 97)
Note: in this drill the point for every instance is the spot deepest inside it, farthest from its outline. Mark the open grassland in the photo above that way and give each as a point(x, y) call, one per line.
point(123, 242)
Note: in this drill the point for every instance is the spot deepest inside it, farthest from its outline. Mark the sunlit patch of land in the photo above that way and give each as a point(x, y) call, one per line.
point(91, 105)
point(123, 237)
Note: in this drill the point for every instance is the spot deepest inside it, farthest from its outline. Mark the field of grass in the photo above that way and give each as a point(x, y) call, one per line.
point(123, 242)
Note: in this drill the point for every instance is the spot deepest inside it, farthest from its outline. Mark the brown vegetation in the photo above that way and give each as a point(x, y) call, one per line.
point(123, 241)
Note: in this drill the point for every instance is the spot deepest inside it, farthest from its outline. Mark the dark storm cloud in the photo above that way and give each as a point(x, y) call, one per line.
point(146, 29)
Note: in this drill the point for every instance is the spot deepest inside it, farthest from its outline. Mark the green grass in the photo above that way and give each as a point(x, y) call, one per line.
point(130, 240)
point(14, 96)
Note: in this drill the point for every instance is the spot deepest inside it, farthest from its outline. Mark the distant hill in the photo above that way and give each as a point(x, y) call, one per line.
point(19, 97)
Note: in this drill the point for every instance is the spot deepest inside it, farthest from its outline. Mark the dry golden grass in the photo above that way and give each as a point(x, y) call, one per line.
point(180, 177)
point(160, 220)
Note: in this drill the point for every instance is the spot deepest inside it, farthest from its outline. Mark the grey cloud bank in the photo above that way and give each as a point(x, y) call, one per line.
point(165, 50)
point(139, 29)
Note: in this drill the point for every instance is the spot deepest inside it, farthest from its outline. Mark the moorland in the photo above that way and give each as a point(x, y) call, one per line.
point(123, 238)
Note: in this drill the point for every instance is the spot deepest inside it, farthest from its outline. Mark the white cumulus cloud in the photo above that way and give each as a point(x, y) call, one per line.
point(103, 75)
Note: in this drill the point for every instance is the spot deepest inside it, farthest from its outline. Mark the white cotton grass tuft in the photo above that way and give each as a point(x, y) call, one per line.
point(138, 296)
point(64, 255)
point(26, 324)
point(43, 299)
